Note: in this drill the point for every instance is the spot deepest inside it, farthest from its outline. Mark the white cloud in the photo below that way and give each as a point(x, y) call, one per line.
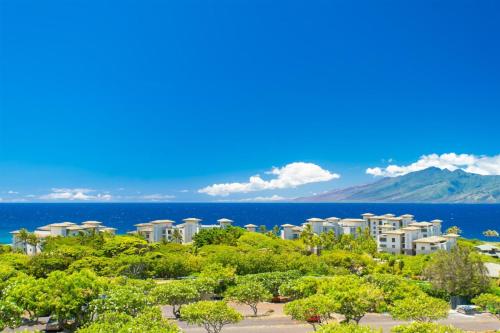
point(157, 197)
point(289, 176)
point(12, 192)
point(272, 198)
point(483, 165)
point(76, 194)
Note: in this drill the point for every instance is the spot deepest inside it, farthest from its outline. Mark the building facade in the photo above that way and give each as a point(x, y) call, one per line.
point(394, 234)
point(61, 229)
point(166, 230)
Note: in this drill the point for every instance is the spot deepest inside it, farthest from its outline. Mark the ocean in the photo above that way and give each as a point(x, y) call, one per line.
point(473, 219)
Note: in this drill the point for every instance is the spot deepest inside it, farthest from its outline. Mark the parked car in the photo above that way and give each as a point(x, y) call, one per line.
point(467, 309)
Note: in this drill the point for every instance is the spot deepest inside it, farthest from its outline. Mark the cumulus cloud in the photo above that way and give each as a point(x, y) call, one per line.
point(479, 164)
point(289, 176)
point(76, 194)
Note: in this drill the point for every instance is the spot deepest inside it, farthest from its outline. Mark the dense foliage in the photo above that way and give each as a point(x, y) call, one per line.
point(104, 283)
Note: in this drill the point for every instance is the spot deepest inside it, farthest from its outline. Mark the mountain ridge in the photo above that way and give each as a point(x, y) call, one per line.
point(431, 185)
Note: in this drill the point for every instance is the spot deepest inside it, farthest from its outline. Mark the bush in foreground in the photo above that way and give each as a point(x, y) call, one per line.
point(489, 302)
point(347, 328)
point(419, 327)
point(150, 320)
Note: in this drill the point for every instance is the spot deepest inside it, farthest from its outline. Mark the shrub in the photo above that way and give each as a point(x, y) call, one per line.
point(420, 327)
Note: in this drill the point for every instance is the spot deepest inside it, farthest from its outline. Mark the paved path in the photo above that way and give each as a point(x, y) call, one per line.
point(278, 322)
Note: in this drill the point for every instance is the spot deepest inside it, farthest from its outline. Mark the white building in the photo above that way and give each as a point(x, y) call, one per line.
point(394, 234)
point(165, 230)
point(61, 229)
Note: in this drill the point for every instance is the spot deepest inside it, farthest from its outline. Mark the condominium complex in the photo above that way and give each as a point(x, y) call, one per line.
point(166, 230)
point(54, 230)
point(394, 234)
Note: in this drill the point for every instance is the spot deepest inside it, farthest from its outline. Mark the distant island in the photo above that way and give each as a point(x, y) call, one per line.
point(431, 185)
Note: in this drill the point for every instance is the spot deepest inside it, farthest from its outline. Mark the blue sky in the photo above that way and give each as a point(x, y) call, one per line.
point(155, 100)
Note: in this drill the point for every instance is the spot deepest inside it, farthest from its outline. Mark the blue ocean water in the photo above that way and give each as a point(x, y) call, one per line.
point(472, 219)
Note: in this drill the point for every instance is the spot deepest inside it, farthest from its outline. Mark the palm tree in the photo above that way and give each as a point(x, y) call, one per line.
point(454, 230)
point(176, 236)
point(33, 240)
point(490, 233)
point(310, 239)
point(23, 237)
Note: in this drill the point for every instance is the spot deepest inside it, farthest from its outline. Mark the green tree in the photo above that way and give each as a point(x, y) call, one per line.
point(176, 294)
point(328, 240)
point(27, 293)
point(300, 288)
point(353, 296)
point(10, 315)
point(421, 308)
point(460, 272)
point(127, 245)
point(128, 298)
point(489, 302)
point(490, 233)
point(316, 309)
point(23, 236)
point(177, 236)
point(250, 294)
point(271, 281)
point(150, 320)
point(347, 328)
point(212, 315)
point(454, 230)
point(68, 295)
point(215, 278)
point(421, 327)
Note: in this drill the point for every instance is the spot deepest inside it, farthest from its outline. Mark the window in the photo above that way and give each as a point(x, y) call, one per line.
point(383, 239)
point(422, 248)
point(394, 240)
point(394, 246)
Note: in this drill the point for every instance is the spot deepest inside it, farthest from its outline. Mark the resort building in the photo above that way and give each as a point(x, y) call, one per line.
point(394, 234)
point(61, 229)
point(488, 250)
point(166, 230)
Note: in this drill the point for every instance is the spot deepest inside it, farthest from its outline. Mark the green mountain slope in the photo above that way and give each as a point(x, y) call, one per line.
point(429, 185)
